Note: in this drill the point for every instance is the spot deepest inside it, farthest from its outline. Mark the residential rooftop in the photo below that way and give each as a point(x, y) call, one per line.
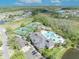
point(45, 39)
point(40, 42)
point(27, 29)
point(52, 36)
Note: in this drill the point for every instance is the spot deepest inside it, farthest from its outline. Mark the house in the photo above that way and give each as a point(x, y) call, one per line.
point(24, 31)
point(45, 39)
point(52, 36)
point(40, 41)
point(27, 29)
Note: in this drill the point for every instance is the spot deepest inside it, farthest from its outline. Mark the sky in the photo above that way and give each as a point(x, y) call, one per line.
point(39, 2)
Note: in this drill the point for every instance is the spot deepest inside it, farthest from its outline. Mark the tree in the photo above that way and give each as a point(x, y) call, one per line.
point(13, 43)
point(18, 55)
point(22, 25)
point(41, 19)
point(0, 43)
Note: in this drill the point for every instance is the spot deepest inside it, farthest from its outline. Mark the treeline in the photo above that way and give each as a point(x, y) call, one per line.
point(30, 8)
point(70, 8)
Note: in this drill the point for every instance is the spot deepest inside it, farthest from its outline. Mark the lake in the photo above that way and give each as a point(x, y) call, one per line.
point(71, 54)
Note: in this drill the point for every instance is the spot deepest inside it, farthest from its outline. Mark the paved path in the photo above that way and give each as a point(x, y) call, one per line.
point(4, 41)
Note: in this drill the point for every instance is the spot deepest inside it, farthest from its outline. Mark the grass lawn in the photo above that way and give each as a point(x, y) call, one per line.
point(61, 53)
point(51, 52)
point(0, 40)
point(1, 57)
point(55, 53)
point(18, 55)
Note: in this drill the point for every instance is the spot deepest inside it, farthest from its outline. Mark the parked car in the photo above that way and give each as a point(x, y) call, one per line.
point(34, 52)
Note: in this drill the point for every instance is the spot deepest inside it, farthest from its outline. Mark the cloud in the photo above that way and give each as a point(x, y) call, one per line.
point(18, 3)
point(55, 1)
point(30, 1)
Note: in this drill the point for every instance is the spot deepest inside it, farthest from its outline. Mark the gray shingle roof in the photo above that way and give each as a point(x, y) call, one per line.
point(40, 41)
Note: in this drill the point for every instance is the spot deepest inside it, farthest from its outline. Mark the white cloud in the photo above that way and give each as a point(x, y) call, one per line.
point(18, 3)
point(39, 1)
point(30, 1)
point(55, 1)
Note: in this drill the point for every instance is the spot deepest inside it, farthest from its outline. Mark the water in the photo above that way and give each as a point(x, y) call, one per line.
point(71, 54)
point(2, 22)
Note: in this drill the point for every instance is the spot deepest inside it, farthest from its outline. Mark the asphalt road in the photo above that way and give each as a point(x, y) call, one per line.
point(4, 41)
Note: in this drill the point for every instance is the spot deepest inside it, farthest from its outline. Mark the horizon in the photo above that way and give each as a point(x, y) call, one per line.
point(8, 3)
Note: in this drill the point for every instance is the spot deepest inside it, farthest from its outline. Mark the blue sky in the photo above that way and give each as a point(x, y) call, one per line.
point(39, 2)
